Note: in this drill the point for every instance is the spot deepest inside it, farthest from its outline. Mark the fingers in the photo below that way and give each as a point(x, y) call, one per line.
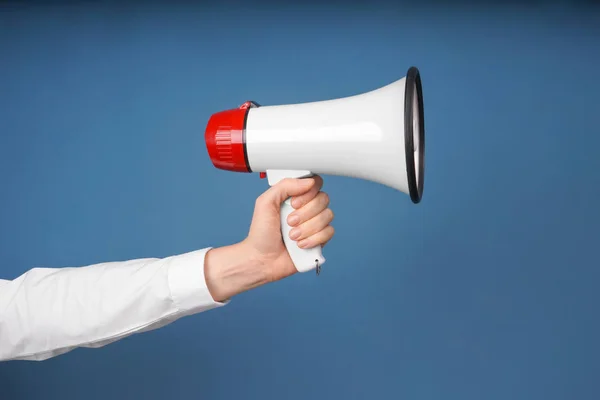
point(288, 187)
point(302, 199)
point(315, 206)
point(311, 219)
point(312, 226)
point(319, 238)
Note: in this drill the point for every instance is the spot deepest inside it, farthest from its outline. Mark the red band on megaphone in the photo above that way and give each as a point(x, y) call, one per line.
point(225, 139)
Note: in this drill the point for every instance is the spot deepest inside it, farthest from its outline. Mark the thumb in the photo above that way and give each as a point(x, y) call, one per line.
point(288, 187)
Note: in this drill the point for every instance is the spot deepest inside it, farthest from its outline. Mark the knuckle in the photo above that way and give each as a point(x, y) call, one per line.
point(260, 200)
point(325, 235)
point(330, 214)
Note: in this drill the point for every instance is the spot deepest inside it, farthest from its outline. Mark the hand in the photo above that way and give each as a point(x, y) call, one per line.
point(310, 222)
point(262, 256)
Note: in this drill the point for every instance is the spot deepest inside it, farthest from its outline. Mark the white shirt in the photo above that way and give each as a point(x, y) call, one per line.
point(50, 311)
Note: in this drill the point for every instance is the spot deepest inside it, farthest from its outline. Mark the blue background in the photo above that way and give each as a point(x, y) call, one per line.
point(486, 290)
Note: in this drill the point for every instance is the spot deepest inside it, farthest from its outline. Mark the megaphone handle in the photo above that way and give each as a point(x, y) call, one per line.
point(304, 259)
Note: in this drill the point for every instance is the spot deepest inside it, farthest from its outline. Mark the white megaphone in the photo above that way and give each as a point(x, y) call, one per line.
point(377, 136)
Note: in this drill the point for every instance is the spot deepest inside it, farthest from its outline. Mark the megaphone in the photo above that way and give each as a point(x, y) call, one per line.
point(377, 136)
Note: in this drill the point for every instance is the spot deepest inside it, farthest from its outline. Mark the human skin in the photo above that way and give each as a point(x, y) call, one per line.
point(261, 257)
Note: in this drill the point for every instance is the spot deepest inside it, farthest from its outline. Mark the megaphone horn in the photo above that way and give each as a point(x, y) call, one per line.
point(377, 136)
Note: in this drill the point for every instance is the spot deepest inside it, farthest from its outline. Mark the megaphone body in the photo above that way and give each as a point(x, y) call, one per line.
point(377, 136)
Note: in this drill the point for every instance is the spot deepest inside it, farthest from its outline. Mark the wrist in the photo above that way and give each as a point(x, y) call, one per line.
point(233, 269)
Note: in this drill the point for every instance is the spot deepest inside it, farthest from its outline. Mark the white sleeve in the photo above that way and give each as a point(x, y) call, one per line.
point(50, 311)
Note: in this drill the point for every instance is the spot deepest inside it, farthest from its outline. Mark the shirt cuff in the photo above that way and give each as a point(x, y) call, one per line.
point(188, 284)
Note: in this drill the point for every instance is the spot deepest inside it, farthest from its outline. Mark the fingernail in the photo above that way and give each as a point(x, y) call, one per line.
point(303, 243)
point(293, 220)
point(296, 203)
point(295, 234)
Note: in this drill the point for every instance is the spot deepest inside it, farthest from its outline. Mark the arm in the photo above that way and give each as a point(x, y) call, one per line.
point(50, 311)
